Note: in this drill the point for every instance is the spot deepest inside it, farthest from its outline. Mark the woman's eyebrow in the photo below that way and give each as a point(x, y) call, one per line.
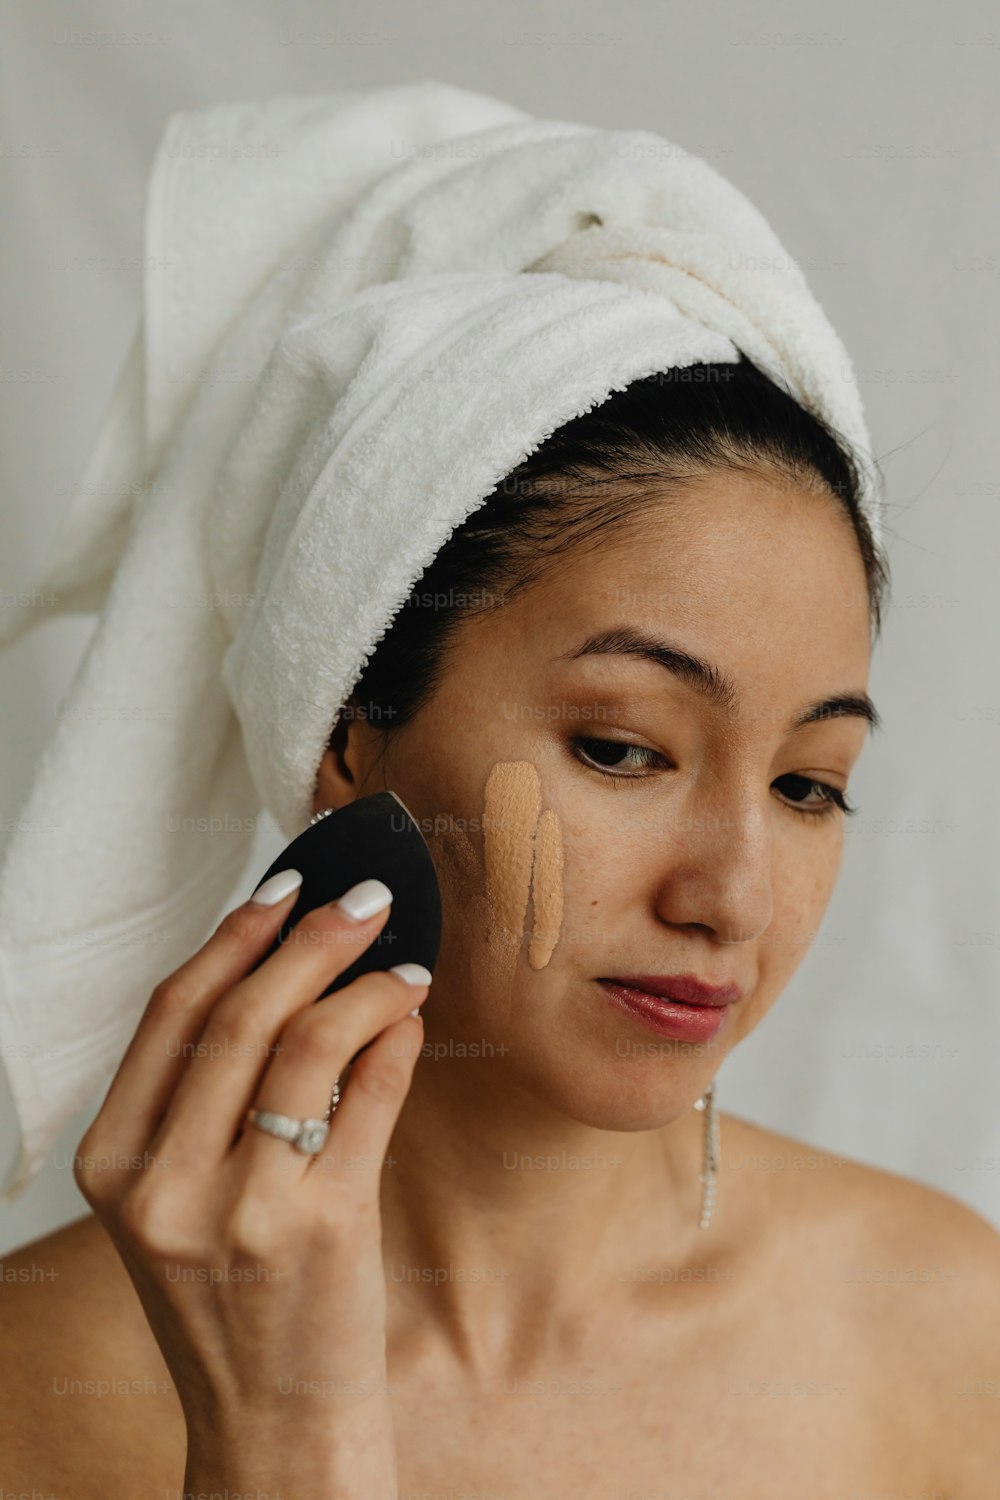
point(707, 679)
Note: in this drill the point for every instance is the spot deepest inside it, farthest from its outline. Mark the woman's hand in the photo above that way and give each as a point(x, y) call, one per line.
point(259, 1267)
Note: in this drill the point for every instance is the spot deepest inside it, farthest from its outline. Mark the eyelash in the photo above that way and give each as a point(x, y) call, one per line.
point(832, 796)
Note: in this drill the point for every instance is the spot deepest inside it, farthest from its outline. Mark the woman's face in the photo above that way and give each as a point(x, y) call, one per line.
point(701, 848)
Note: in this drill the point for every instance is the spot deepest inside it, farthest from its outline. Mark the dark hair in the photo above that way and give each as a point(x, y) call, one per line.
point(586, 479)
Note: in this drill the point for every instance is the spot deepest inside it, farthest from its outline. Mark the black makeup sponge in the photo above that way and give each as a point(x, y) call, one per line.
point(376, 838)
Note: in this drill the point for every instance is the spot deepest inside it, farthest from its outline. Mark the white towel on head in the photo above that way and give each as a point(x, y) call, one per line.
point(327, 277)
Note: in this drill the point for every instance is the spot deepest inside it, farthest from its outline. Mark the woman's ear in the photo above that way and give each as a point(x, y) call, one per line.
point(338, 777)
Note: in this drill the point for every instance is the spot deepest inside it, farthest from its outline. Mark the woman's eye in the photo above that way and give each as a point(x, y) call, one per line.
point(616, 753)
point(830, 797)
point(609, 750)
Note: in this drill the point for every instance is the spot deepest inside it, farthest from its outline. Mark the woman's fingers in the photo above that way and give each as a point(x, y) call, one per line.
point(366, 1116)
point(171, 1023)
point(314, 1047)
point(237, 1043)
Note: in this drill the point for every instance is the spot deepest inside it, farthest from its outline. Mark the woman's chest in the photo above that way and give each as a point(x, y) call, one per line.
point(774, 1390)
point(765, 1419)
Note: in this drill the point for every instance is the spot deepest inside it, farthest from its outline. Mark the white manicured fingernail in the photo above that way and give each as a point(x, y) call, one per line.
point(412, 973)
point(277, 887)
point(365, 899)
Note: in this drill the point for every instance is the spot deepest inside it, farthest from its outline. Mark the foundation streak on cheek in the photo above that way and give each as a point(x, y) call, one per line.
point(512, 803)
point(524, 856)
point(546, 889)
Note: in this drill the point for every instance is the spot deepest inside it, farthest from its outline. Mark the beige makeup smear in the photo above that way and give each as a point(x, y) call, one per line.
point(512, 803)
point(524, 855)
point(546, 889)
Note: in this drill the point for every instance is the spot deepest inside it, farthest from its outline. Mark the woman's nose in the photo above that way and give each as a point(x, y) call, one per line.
point(718, 864)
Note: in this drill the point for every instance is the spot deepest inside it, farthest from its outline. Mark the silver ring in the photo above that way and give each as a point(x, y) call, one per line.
point(308, 1136)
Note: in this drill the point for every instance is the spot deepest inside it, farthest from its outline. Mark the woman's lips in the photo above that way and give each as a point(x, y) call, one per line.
point(695, 1023)
point(687, 988)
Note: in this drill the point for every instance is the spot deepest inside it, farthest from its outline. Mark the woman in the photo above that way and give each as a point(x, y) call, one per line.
point(500, 1241)
point(505, 1272)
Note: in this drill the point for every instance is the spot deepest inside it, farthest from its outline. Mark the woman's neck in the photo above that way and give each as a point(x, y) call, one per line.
point(510, 1230)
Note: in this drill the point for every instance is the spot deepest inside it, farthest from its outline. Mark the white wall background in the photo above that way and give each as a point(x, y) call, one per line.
point(868, 136)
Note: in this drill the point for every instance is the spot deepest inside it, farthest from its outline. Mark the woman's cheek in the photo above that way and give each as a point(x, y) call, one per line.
point(523, 858)
point(493, 884)
point(546, 889)
point(801, 898)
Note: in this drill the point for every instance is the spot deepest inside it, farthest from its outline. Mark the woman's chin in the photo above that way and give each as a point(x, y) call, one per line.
point(614, 1101)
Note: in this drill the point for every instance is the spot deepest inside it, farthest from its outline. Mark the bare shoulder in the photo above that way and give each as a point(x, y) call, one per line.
point(866, 1199)
point(915, 1273)
point(83, 1376)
